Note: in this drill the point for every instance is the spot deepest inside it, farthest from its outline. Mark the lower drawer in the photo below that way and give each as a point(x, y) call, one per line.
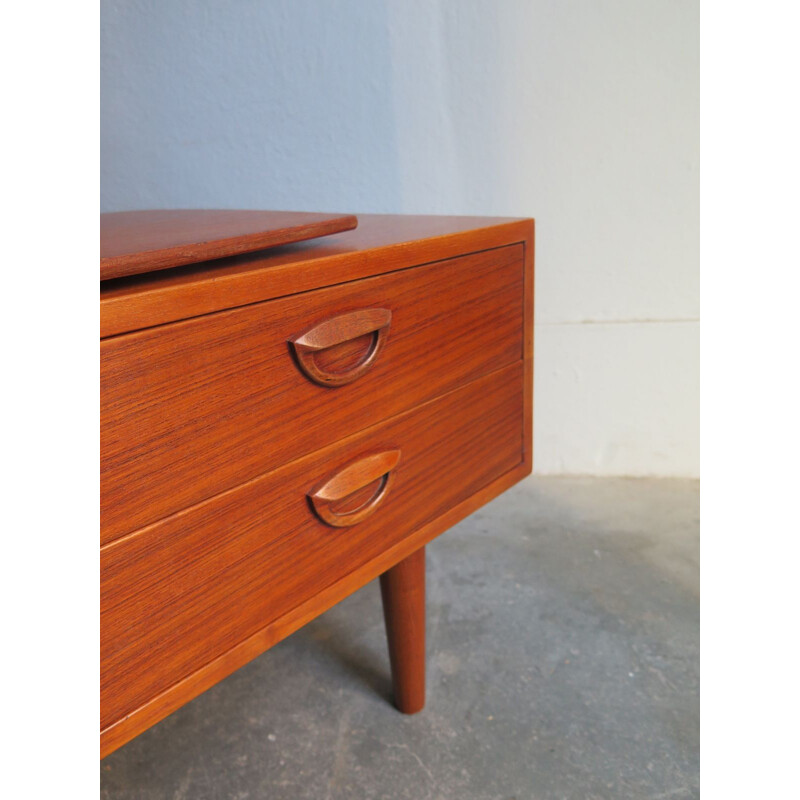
point(183, 591)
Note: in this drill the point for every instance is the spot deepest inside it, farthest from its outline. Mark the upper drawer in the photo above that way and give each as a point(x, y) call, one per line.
point(193, 408)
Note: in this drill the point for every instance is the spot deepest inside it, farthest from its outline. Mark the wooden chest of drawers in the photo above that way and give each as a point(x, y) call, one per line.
point(280, 427)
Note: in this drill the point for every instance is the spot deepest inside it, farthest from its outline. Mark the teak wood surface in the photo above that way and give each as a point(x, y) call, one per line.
point(380, 244)
point(185, 590)
point(199, 360)
point(133, 242)
point(403, 594)
point(326, 337)
point(356, 490)
point(190, 410)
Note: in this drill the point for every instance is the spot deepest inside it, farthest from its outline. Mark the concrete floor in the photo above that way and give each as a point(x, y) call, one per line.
point(563, 629)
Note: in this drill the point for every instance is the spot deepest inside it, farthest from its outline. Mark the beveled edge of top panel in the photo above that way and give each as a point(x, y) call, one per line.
point(136, 242)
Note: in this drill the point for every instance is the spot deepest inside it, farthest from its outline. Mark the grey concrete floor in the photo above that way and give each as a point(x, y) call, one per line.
point(563, 656)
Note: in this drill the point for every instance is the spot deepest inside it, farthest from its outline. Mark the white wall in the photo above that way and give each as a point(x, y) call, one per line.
point(581, 113)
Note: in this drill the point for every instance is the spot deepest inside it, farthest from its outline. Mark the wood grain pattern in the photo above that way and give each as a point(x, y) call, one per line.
point(180, 593)
point(240, 613)
point(194, 408)
point(527, 346)
point(380, 244)
point(403, 594)
point(177, 695)
point(356, 490)
point(370, 323)
point(133, 242)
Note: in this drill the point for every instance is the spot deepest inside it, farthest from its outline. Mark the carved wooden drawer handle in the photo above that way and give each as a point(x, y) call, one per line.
point(335, 331)
point(328, 499)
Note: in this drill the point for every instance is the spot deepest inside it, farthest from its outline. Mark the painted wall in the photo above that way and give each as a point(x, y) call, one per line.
point(581, 113)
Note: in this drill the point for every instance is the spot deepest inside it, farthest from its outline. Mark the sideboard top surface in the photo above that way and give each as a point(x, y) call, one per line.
point(381, 243)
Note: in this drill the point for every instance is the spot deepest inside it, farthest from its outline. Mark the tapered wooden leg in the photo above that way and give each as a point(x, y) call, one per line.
point(403, 593)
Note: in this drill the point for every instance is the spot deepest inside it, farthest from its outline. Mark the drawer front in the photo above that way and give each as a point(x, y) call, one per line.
point(194, 408)
point(183, 591)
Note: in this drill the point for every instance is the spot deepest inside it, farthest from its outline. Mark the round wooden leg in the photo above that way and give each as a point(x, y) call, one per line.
point(403, 593)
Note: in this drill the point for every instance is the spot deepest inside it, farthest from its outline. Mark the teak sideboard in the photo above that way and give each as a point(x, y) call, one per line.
point(281, 426)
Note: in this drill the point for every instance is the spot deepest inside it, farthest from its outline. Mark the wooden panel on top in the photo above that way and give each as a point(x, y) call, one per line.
point(381, 243)
point(134, 242)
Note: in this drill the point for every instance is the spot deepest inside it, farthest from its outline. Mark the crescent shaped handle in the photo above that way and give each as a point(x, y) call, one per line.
point(340, 329)
point(349, 479)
